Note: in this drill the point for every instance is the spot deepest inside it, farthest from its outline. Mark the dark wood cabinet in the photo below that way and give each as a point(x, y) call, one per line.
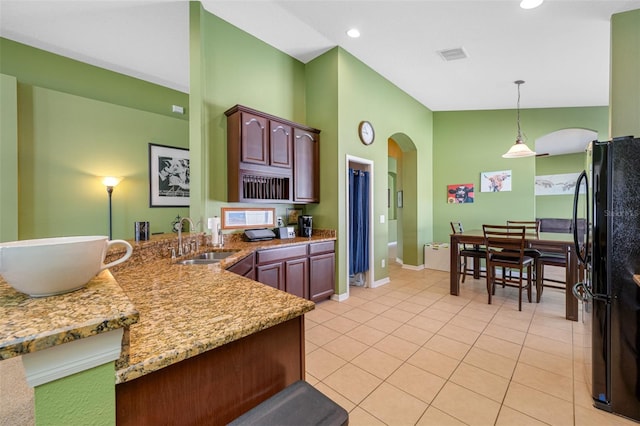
point(296, 279)
point(284, 268)
point(322, 261)
point(280, 146)
point(254, 145)
point(271, 274)
point(216, 386)
point(306, 176)
point(270, 159)
point(245, 267)
point(306, 270)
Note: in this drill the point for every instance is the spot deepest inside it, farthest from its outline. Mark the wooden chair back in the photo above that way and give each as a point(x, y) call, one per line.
point(504, 244)
point(531, 227)
point(456, 227)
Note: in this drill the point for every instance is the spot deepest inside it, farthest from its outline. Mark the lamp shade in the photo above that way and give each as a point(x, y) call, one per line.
point(518, 150)
point(111, 180)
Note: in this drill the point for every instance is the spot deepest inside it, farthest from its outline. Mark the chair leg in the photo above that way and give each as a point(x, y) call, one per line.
point(529, 282)
point(539, 280)
point(464, 268)
point(520, 292)
point(490, 272)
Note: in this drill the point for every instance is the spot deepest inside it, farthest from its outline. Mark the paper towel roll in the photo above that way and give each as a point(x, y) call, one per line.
point(213, 223)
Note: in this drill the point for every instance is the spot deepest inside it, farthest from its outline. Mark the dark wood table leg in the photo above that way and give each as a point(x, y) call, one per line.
point(454, 283)
point(476, 267)
point(572, 274)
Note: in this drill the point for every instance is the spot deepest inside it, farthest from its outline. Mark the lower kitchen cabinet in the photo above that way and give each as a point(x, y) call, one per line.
point(305, 270)
point(271, 274)
point(296, 280)
point(245, 267)
point(322, 276)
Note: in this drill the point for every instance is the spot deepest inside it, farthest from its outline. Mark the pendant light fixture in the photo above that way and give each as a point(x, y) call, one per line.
point(519, 149)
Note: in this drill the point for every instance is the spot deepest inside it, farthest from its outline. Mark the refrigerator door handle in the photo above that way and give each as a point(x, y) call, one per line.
point(581, 292)
point(582, 255)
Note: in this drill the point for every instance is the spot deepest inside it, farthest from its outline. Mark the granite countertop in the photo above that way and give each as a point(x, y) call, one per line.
point(187, 310)
point(29, 324)
point(172, 311)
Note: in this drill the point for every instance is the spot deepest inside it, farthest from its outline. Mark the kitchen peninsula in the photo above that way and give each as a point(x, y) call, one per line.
point(207, 346)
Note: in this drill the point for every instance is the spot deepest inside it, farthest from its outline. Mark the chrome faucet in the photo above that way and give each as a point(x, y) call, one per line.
point(180, 252)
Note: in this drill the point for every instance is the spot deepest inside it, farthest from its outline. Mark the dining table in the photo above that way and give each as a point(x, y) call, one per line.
point(556, 242)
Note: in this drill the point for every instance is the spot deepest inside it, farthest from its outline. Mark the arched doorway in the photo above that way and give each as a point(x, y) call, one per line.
point(408, 250)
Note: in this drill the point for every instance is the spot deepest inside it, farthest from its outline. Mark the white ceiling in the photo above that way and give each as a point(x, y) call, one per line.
point(560, 49)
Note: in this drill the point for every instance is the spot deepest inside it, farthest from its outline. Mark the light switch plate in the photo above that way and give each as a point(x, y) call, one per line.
point(381, 218)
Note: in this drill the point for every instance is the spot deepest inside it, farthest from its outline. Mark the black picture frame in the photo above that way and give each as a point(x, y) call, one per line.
point(169, 176)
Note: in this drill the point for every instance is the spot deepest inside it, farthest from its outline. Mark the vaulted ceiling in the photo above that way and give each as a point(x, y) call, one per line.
point(561, 49)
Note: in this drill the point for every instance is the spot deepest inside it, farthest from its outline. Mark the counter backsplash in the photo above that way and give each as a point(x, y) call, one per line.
point(159, 246)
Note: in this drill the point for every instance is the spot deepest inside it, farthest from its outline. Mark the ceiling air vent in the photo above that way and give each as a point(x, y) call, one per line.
point(453, 54)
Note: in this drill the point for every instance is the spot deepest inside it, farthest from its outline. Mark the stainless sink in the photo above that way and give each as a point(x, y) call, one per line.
point(207, 258)
point(215, 255)
point(197, 261)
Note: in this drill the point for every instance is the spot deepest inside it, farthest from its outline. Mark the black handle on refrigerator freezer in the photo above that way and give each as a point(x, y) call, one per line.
point(583, 256)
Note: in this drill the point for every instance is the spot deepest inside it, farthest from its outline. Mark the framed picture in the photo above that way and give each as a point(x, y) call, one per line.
point(292, 216)
point(168, 176)
point(563, 184)
point(240, 218)
point(460, 193)
point(495, 181)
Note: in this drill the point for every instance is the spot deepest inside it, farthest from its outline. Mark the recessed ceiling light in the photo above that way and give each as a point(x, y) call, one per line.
point(530, 4)
point(353, 33)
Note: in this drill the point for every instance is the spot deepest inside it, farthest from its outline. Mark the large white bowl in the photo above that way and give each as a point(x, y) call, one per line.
point(49, 266)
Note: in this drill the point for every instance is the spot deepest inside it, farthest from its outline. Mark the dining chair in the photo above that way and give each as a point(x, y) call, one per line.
point(505, 245)
point(532, 230)
point(548, 258)
point(557, 258)
point(467, 251)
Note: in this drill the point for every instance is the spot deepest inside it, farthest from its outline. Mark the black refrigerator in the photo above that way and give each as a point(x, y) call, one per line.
point(610, 251)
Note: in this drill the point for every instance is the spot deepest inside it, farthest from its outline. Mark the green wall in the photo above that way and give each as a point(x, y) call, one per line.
point(8, 158)
point(341, 92)
point(625, 74)
point(559, 206)
point(85, 398)
point(468, 143)
point(78, 78)
point(71, 132)
point(229, 67)
point(333, 93)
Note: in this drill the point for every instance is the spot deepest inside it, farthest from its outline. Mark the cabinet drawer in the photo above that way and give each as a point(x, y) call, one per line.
point(274, 255)
point(323, 247)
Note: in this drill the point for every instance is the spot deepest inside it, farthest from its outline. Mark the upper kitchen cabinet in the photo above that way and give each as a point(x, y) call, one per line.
point(305, 169)
point(270, 159)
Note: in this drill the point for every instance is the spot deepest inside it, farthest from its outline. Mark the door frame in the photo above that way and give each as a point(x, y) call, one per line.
point(368, 166)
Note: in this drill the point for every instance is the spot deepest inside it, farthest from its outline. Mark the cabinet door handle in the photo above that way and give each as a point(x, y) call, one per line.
point(283, 129)
point(251, 121)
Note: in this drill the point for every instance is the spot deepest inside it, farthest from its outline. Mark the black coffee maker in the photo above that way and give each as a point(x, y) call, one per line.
point(305, 223)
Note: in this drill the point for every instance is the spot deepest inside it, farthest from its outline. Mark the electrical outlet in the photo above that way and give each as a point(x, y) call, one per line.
point(383, 263)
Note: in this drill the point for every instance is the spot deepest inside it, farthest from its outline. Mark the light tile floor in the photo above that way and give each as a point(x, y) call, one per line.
point(408, 353)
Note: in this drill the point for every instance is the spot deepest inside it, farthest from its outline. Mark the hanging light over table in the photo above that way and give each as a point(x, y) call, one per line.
point(519, 149)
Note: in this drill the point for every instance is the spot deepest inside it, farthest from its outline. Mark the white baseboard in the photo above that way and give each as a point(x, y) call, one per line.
point(381, 282)
point(413, 267)
point(340, 297)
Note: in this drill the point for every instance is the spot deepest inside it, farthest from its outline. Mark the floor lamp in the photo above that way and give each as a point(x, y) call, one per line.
point(110, 182)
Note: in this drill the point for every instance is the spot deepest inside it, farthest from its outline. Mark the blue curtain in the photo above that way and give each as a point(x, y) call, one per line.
point(358, 221)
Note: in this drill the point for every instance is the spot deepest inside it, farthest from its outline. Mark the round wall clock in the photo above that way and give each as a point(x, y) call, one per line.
point(366, 132)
